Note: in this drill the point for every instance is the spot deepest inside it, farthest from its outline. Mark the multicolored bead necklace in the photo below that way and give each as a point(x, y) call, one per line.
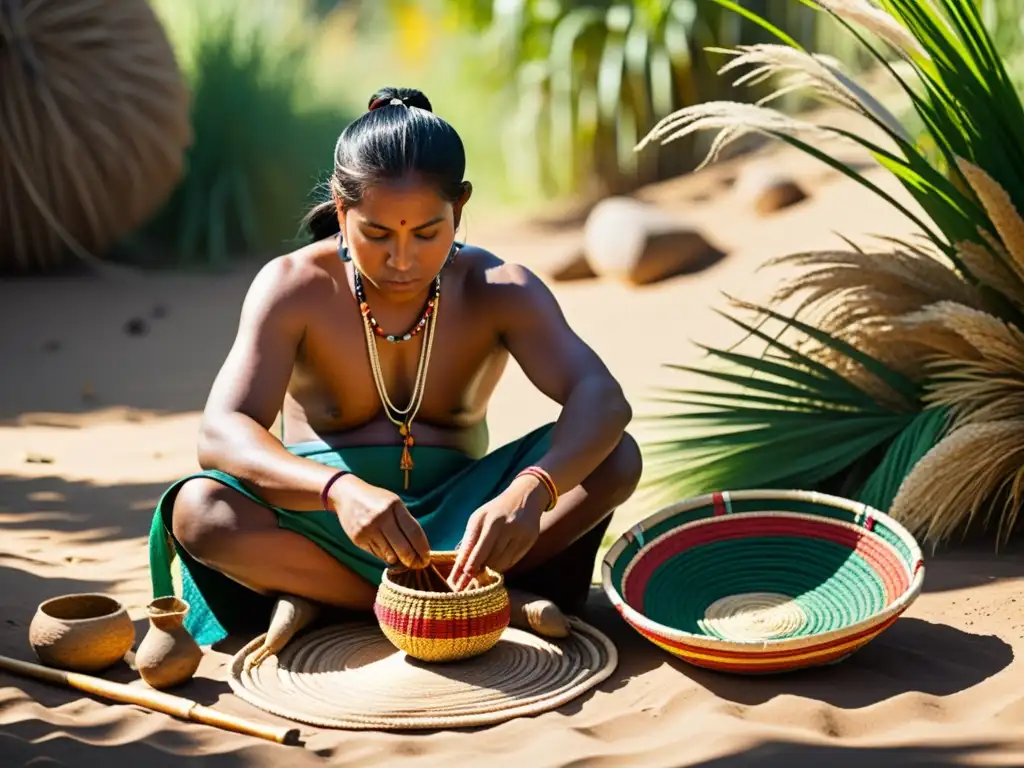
point(418, 326)
point(402, 417)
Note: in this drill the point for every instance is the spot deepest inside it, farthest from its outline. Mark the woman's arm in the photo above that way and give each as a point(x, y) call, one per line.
point(247, 394)
point(591, 424)
point(560, 364)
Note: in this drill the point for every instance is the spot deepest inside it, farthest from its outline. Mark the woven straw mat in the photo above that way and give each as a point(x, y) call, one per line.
point(350, 676)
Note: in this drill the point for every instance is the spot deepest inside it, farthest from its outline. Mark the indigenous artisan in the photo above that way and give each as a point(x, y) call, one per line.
point(378, 346)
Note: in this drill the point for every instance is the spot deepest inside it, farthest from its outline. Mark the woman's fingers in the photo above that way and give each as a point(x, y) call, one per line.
point(414, 534)
point(502, 556)
point(469, 541)
point(399, 543)
point(480, 554)
point(379, 548)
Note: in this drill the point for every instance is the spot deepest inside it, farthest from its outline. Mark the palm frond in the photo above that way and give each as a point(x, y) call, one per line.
point(755, 428)
point(962, 98)
point(904, 376)
point(903, 454)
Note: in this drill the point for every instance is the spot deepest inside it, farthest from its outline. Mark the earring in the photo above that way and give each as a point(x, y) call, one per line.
point(343, 252)
point(451, 254)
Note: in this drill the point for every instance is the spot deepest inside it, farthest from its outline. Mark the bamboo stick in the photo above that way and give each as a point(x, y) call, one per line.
point(177, 706)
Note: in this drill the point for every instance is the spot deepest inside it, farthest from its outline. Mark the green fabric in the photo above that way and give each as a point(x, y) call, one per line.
point(446, 487)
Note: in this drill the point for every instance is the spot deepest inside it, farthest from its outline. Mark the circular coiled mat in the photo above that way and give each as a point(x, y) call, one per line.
point(350, 676)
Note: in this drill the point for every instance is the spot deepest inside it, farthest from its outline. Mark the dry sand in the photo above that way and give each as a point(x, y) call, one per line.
point(112, 417)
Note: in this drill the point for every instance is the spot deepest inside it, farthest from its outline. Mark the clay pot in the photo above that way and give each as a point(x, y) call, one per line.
point(167, 655)
point(81, 632)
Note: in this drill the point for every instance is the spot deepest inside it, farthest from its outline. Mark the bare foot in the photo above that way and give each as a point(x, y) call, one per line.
point(537, 614)
point(290, 615)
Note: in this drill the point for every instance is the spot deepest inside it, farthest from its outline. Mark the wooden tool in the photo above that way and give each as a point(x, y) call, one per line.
point(177, 706)
point(429, 579)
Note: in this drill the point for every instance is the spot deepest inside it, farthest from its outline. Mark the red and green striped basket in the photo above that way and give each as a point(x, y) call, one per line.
point(762, 581)
point(438, 625)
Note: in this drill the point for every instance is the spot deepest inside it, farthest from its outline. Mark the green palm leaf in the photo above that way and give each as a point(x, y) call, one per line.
point(787, 418)
point(966, 102)
point(784, 420)
point(909, 447)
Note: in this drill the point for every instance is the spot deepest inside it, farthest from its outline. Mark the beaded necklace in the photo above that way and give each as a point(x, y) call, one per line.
point(403, 417)
point(418, 326)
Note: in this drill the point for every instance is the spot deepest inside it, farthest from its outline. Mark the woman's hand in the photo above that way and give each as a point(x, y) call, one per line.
point(377, 521)
point(500, 532)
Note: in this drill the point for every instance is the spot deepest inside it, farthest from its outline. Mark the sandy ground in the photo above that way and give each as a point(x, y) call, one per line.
point(94, 422)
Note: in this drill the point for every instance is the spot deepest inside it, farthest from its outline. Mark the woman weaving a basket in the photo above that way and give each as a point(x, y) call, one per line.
point(380, 344)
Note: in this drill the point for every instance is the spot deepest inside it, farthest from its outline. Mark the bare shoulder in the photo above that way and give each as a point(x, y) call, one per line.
point(502, 284)
point(292, 282)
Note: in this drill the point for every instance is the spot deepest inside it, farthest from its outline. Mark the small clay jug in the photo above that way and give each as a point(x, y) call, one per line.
point(168, 655)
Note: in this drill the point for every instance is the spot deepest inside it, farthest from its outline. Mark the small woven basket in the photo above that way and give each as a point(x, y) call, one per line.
point(763, 581)
point(442, 626)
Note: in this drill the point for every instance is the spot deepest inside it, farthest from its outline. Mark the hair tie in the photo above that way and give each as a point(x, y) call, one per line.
point(383, 101)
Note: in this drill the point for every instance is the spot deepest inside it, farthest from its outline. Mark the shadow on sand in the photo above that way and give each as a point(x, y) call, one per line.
point(911, 656)
point(782, 754)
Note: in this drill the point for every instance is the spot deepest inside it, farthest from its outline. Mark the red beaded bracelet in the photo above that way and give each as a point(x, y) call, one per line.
point(546, 481)
point(327, 486)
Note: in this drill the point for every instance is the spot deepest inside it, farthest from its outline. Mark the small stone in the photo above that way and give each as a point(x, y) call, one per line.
point(158, 311)
point(639, 243)
point(573, 267)
point(766, 190)
point(136, 327)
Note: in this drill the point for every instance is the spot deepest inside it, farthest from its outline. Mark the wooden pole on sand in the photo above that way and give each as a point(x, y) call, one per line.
point(177, 706)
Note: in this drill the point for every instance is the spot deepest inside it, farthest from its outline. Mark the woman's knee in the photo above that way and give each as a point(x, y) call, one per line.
point(619, 474)
point(204, 517)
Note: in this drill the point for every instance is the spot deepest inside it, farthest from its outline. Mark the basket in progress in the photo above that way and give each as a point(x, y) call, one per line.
point(442, 626)
point(763, 581)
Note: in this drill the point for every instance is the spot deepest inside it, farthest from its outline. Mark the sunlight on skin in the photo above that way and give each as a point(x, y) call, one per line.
point(505, 274)
point(398, 236)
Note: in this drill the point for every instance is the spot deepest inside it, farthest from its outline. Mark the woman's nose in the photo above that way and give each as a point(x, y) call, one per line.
point(401, 256)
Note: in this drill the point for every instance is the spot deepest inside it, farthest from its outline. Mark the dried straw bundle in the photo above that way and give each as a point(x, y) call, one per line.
point(975, 471)
point(93, 126)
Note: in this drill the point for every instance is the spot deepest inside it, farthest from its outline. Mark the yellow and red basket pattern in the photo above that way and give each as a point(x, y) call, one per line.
point(442, 626)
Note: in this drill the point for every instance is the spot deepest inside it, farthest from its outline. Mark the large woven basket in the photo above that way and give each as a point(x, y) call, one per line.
point(442, 626)
point(763, 581)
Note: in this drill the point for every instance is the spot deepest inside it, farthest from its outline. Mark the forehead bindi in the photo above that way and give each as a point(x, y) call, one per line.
point(391, 207)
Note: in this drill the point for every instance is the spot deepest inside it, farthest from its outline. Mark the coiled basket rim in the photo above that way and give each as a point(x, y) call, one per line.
point(497, 585)
point(859, 509)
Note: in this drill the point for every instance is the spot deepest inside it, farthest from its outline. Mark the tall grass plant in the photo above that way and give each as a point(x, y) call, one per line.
point(263, 133)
